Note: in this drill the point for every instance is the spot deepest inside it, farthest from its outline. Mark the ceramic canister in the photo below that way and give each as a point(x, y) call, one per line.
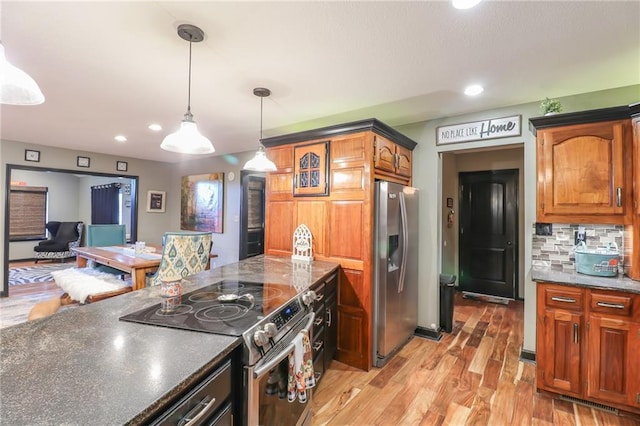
point(171, 287)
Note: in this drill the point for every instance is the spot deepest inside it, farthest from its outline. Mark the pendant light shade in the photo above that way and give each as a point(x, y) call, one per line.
point(16, 86)
point(260, 162)
point(188, 139)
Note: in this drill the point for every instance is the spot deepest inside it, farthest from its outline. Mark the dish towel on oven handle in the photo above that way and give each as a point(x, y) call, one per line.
point(301, 375)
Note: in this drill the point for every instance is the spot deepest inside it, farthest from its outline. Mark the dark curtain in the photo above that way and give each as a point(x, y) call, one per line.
point(104, 204)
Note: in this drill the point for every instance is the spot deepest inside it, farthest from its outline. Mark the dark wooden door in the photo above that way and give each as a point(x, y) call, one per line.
point(252, 215)
point(488, 232)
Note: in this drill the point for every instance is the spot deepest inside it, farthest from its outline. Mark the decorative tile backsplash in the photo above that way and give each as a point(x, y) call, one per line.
point(556, 250)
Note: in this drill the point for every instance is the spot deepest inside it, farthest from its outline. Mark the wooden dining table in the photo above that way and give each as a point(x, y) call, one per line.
point(123, 258)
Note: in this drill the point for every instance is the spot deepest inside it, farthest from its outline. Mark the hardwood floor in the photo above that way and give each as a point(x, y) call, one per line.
point(15, 308)
point(473, 376)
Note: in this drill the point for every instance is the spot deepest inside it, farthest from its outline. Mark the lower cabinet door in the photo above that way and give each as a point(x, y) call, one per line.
point(612, 372)
point(561, 351)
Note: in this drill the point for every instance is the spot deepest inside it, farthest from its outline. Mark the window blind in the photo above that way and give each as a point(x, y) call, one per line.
point(28, 212)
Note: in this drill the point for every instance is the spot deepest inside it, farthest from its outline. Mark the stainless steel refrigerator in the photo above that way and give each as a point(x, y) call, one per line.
point(396, 269)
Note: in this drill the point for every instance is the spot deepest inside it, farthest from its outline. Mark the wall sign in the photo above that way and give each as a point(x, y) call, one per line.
point(493, 128)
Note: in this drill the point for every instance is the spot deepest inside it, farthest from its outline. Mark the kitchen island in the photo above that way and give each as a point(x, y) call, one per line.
point(84, 366)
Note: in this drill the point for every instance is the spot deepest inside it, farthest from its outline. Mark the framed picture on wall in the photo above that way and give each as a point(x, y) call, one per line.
point(156, 201)
point(202, 202)
point(31, 155)
point(121, 166)
point(83, 161)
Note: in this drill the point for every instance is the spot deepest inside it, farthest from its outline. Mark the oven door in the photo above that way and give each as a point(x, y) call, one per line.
point(266, 384)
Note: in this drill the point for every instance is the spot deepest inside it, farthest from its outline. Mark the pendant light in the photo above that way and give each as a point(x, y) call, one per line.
point(16, 86)
point(260, 162)
point(188, 140)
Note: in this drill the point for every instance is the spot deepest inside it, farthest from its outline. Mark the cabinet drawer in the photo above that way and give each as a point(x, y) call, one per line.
point(611, 304)
point(564, 298)
point(215, 390)
point(320, 293)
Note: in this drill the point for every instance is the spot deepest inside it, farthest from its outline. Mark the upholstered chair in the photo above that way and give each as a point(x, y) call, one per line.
point(183, 254)
point(103, 236)
point(65, 236)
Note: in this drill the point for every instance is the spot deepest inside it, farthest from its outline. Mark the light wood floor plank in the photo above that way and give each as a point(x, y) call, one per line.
point(473, 376)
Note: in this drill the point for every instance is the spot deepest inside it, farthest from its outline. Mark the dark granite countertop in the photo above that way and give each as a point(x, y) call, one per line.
point(619, 283)
point(83, 366)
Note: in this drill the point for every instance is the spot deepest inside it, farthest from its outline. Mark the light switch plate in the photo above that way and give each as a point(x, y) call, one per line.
point(545, 229)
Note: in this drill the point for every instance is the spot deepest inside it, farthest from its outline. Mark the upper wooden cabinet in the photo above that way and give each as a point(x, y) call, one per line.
point(391, 160)
point(584, 170)
point(636, 161)
point(632, 232)
point(325, 179)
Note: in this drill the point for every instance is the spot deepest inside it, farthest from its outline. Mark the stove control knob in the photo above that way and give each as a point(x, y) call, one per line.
point(260, 337)
point(271, 329)
point(309, 297)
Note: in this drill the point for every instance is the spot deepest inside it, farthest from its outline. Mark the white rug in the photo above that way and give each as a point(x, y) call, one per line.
point(81, 283)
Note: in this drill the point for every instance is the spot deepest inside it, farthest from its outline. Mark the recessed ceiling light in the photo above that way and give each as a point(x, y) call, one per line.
point(473, 90)
point(464, 4)
point(120, 138)
point(155, 127)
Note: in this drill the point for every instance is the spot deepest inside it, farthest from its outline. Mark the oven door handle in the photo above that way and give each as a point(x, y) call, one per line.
point(260, 371)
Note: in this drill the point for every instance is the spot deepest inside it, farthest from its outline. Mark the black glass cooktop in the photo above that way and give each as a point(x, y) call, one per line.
point(227, 307)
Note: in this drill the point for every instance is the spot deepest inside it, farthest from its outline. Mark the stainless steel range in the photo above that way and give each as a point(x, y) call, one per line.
point(267, 317)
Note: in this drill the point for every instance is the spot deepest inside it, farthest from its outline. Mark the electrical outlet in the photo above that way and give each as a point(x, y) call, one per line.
point(580, 237)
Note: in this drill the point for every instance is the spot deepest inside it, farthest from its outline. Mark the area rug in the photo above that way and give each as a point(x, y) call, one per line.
point(35, 274)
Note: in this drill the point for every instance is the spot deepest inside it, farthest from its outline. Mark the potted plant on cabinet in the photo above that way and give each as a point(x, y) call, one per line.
point(550, 106)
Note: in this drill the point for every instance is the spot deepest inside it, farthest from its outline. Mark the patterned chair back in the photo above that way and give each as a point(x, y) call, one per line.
point(184, 254)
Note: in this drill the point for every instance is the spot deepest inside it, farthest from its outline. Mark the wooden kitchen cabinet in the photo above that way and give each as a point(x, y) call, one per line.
point(560, 343)
point(584, 173)
point(587, 344)
point(391, 161)
point(632, 231)
point(340, 218)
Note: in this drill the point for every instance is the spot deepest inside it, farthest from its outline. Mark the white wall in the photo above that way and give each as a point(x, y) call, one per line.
point(427, 174)
point(227, 244)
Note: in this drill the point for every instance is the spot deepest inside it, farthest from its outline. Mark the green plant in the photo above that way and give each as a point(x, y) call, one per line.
point(550, 105)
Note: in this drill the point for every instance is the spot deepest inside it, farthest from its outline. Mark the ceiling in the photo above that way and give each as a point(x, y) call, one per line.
point(110, 68)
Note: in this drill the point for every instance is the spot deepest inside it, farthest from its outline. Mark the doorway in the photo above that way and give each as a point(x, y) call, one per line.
point(488, 233)
point(62, 177)
point(252, 187)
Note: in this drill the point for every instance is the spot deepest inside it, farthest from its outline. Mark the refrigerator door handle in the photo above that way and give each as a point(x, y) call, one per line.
point(405, 241)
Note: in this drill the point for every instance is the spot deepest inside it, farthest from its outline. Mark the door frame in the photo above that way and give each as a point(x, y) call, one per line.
point(10, 167)
point(453, 160)
point(516, 225)
point(244, 213)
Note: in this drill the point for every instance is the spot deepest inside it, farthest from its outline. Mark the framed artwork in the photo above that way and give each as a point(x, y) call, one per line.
point(31, 155)
point(122, 166)
point(156, 201)
point(83, 161)
point(311, 170)
point(201, 202)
